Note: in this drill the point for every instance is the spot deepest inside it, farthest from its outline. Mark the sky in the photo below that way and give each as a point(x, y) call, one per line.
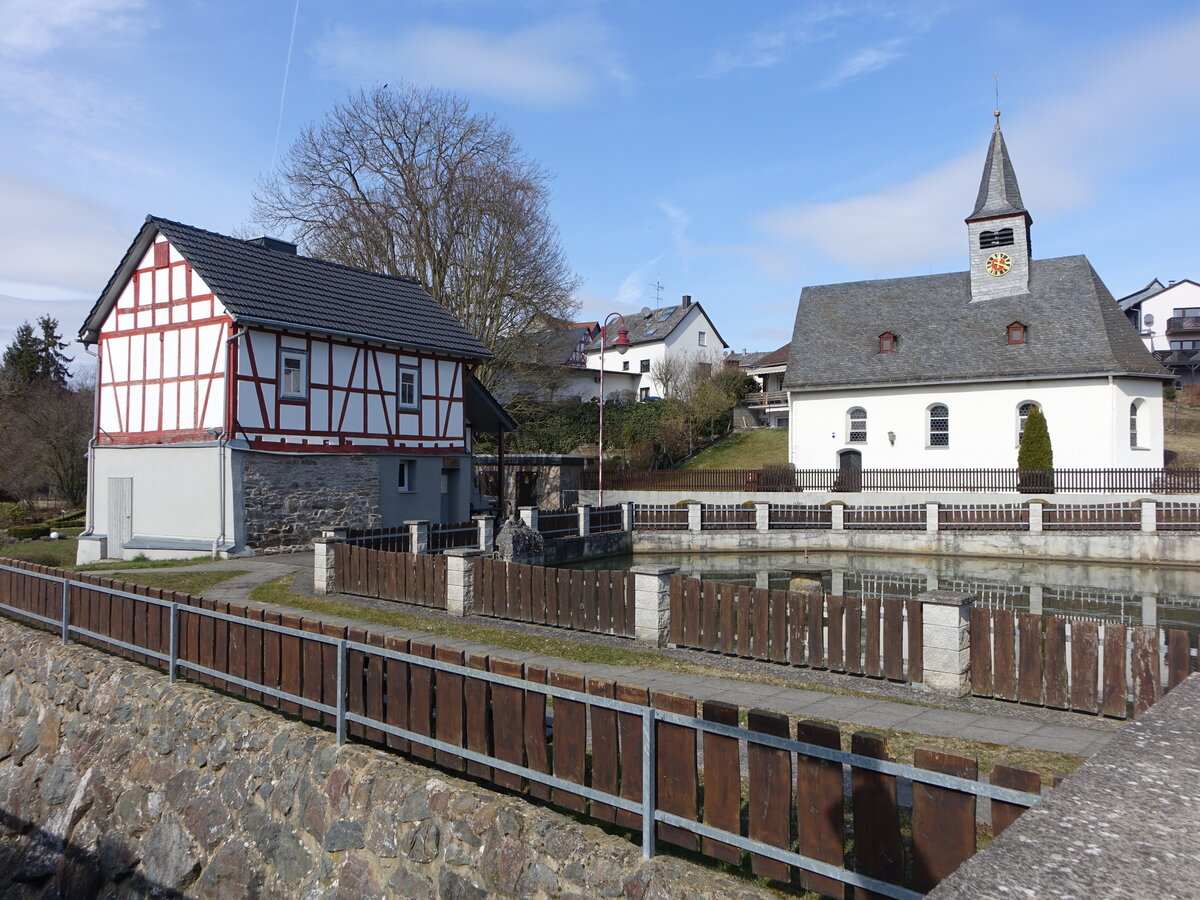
point(734, 152)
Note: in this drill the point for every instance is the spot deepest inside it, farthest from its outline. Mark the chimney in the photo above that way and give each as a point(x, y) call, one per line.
point(687, 300)
point(274, 244)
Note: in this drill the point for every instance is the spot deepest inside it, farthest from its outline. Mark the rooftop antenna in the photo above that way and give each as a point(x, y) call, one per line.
point(658, 289)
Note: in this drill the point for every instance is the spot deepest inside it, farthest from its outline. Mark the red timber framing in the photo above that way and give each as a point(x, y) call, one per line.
point(162, 357)
point(351, 400)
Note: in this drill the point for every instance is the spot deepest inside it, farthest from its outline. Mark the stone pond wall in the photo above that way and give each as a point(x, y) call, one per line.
point(289, 499)
point(115, 782)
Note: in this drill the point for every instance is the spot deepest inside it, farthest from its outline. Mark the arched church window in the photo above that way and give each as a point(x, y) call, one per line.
point(1023, 412)
point(939, 425)
point(857, 425)
point(1134, 408)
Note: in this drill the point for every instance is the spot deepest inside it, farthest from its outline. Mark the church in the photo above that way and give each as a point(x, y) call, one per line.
point(941, 371)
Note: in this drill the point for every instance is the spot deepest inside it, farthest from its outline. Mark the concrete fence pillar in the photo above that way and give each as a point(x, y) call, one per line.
point(931, 517)
point(585, 520)
point(652, 603)
point(529, 515)
point(487, 532)
point(323, 559)
point(694, 519)
point(418, 535)
point(762, 515)
point(1035, 598)
point(946, 638)
point(627, 516)
point(460, 581)
point(1149, 516)
point(1035, 516)
point(838, 516)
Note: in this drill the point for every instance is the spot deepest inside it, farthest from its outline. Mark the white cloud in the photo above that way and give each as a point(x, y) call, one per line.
point(55, 244)
point(552, 63)
point(865, 61)
point(1062, 151)
point(33, 27)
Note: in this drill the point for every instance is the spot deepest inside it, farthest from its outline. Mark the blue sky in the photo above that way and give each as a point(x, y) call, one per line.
point(734, 152)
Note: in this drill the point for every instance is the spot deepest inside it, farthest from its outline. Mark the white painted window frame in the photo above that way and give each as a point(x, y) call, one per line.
point(285, 354)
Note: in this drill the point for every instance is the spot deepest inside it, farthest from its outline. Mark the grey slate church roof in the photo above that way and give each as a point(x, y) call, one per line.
point(999, 194)
point(1073, 327)
point(274, 288)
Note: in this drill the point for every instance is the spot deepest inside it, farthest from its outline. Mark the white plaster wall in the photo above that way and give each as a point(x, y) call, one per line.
point(1088, 421)
point(176, 493)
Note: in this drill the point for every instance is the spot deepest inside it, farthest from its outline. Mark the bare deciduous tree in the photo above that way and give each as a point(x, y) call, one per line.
point(408, 181)
point(670, 372)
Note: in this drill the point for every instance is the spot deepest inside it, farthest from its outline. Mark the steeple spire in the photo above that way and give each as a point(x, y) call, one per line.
point(999, 194)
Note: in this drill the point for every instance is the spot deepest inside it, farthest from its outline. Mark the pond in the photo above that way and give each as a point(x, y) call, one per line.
point(1127, 594)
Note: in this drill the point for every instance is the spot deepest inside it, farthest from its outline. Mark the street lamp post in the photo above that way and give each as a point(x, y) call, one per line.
point(622, 344)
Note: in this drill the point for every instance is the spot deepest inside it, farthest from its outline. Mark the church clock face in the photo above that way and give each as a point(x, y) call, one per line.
point(998, 264)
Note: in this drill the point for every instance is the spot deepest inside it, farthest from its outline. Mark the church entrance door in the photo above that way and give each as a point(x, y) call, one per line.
point(849, 477)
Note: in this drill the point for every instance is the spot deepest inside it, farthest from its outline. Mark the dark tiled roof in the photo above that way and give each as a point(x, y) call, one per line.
point(776, 357)
point(1132, 300)
point(555, 348)
point(1074, 327)
point(259, 285)
point(657, 325)
point(745, 360)
point(998, 191)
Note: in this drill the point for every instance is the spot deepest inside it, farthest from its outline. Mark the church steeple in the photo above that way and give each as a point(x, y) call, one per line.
point(998, 228)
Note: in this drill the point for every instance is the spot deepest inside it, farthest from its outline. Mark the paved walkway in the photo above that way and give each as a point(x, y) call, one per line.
point(988, 721)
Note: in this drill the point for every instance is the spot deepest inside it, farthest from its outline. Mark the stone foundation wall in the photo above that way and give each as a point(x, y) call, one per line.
point(116, 783)
point(289, 499)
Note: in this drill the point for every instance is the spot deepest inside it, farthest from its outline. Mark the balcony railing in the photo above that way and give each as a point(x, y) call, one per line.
point(766, 398)
point(1182, 324)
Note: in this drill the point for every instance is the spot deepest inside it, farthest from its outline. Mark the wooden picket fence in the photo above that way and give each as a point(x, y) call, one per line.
point(596, 601)
point(410, 577)
point(1072, 664)
point(796, 800)
point(856, 635)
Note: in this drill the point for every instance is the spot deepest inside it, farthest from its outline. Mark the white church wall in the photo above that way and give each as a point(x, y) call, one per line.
point(1088, 421)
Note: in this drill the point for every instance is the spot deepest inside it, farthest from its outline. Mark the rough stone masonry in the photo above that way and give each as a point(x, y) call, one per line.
point(115, 782)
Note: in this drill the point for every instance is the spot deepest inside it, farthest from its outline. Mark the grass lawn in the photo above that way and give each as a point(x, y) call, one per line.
point(743, 450)
point(56, 554)
point(184, 582)
point(902, 744)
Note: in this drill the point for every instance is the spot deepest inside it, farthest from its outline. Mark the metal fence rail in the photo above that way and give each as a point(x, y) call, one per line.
point(650, 716)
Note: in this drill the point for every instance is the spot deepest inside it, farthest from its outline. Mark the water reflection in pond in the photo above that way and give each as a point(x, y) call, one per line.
point(1132, 595)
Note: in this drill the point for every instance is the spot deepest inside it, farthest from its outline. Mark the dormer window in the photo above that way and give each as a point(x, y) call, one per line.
point(1016, 333)
point(1000, 238)
point(887, 342)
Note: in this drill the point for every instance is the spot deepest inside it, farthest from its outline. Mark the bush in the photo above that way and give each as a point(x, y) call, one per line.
point(23, 532)
point(1189, 395)
point(1037, 454)
point(14, 513)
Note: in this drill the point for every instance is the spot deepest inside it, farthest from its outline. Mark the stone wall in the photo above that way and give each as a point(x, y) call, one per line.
point(117, 783)
point(287, 500)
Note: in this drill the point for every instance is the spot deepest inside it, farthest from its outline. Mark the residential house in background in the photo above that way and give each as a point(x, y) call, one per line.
point(941, 371)
point(683, 335)
point(248, 396)
point(557, 367)
point(1168, 319)
point(770, 406)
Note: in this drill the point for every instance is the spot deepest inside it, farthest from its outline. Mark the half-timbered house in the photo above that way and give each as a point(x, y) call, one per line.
point(248, 396)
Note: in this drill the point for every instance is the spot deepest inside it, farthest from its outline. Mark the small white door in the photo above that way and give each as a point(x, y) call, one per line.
point(120, 515)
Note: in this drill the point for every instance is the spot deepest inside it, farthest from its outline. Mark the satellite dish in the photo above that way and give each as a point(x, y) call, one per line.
point(1149, 319)
point(647, 312)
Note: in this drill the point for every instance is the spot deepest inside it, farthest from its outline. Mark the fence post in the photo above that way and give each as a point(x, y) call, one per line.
point(1035, 516)
point(323, 574)
point(652, 603)
point(460, 581)
point(418, 535)
point(341, 692)
point(1149, 516)
point(649, 782)
point(66, 610)
point(173, 643)
point(487, 532)
point(946, 641)
point(694, 518)
point(627, 516)
point(837, 516)
point(931, 518)
point(762, 515)
point(585, 520)
point(529, 515)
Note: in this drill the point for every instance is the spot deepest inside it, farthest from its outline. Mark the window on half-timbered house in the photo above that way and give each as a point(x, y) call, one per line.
point(293, 375)
point(410, 384)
